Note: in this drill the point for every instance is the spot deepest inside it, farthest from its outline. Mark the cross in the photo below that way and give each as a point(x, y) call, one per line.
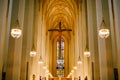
point(60, 30)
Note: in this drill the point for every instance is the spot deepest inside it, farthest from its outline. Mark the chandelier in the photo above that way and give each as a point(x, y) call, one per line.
point(44, 67)
point(40, 60)
point(79, 60)
point(104, 31)
point(16, 31)
point(80, 8)
point(33, 49)
point(75, 67)
point(87, 52)
point(33, 53)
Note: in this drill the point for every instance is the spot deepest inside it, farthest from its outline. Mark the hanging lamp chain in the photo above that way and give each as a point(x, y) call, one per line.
point(17, 25)
point(103, 25)
point(80, 8)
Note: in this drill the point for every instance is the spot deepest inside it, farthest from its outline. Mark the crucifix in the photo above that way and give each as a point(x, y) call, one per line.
point(60, 30)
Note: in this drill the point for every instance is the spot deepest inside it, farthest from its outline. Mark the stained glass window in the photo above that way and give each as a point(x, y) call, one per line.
point(60, 58)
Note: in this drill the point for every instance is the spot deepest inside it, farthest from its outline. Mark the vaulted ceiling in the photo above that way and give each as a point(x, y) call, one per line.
point(64, 11)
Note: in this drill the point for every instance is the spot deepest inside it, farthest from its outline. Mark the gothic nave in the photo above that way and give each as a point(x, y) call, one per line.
point(59, 39)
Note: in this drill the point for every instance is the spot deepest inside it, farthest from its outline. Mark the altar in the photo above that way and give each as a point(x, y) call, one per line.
point(58, 78)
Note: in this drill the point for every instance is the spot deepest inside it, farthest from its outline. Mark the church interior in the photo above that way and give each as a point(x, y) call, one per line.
point(59, 39)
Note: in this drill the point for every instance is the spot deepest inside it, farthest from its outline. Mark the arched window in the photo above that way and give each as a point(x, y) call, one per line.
point(60, 58)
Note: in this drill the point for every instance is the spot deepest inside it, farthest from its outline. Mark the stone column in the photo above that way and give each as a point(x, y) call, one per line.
point(48, 52)
point(112, 8)
point(27, 62)
point(81, 38)
point(26, 39)
point(66, 58)
point(93, 41)
point(69, 56)
point(116, 4)
point(3, 32)
point(15, 45)
point(87, 60)
point(50, 56)
point(77, 71)
point(105, 45)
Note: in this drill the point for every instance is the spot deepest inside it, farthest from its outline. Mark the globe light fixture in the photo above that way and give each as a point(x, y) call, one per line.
point(79, 60)
point(75, 67)
point(104, 32)
point(33, 49)
point(16, 31)
point(40, 60)
point(33, 53)
point(87, 52)
point(44, 67)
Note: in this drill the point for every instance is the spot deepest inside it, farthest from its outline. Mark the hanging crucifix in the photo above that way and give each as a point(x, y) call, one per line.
point(60, 30)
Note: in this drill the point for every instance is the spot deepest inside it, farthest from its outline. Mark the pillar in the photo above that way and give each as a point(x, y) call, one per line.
point(112, 8)
point(3, 32)
point(81, 38)
point(117, 31)
point(14, 53)
point(105, 45)
point(27, 62)
point(26, 39)
point(37, 68)
point(93, 41)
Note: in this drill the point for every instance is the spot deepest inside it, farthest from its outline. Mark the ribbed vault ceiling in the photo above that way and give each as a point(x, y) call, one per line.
point(60, 10)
